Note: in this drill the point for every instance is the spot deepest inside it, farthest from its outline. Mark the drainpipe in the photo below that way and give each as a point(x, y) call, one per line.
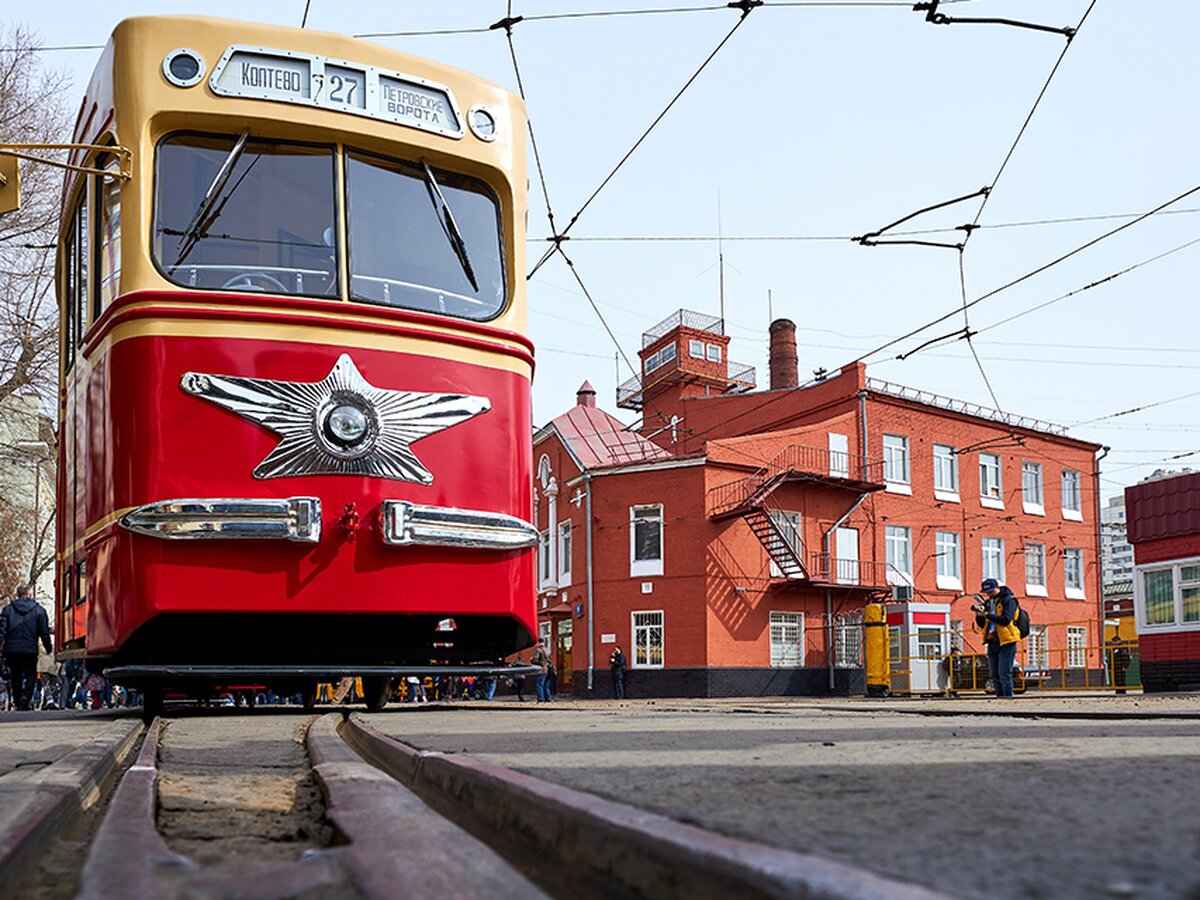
point(829, 636)
point(862, 424)
point(587, 480)
point(1099, 552)
point(825, 547)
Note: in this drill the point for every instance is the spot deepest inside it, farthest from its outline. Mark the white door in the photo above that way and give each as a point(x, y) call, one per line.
point(929, 647)
point(839, 455)
point(845, 549)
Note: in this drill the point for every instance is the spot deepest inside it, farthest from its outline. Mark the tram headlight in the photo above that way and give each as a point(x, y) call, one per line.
point(183, 67)
point(346, 425)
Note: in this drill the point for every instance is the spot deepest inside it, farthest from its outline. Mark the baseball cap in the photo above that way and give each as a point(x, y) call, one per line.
point(989, 584)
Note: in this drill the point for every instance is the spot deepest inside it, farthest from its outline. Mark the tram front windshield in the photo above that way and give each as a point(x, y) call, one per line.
point(234, 213)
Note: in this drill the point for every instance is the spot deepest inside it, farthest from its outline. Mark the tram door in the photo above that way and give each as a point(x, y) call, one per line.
point(563, 640)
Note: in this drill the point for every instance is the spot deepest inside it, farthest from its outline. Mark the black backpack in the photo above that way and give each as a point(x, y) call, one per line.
point(1021, 620)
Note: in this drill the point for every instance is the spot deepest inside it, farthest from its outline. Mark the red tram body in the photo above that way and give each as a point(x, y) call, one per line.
point(1163, 524)
point(295, 427)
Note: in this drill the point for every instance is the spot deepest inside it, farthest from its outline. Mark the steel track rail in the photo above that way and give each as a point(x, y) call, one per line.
point(37, 804)
point(392, 845)
point(579, 845)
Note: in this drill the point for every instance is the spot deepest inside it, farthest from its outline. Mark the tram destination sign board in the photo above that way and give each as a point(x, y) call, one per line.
point(262, 73)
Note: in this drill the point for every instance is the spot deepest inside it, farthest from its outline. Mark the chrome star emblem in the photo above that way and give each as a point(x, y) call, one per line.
point(341, 425)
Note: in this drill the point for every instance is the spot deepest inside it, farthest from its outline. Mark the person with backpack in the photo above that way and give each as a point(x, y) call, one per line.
point(997, 613)
point(22, 623)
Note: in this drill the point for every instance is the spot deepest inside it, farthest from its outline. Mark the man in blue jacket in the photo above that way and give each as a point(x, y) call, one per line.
point(996, 614)
point(22, 623)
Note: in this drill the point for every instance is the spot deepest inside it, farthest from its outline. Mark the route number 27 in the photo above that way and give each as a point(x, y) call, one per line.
point(341, 90)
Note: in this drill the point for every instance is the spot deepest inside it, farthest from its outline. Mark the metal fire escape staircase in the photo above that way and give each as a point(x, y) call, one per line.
point(749, 499)
point(757, 513)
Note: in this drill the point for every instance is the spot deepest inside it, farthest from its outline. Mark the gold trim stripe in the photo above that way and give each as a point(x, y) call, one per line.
point(311, 334)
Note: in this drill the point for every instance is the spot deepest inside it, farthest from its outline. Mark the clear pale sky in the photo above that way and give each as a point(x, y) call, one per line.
point(828, 122)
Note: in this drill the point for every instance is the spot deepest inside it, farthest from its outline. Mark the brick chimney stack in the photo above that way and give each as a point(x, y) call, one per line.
point(586, 395)
point(784, 364)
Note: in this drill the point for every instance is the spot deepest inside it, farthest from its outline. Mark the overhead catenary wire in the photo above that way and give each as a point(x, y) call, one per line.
point(746, 7)
point(1029, 118)
point(1030, 274)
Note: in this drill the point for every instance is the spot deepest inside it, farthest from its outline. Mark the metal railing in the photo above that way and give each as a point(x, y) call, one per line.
point(832, 569)
point(739, 379)
point(952, 662)
point(684, 318)
point(961, 406)
point(799, 460)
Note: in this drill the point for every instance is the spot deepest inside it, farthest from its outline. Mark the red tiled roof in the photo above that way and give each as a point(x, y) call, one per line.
point(1163, 508)
point(598, 439)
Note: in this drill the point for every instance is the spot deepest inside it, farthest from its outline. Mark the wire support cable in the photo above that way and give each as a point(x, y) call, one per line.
point(746, 7)
point(870, 238)
point(507, 24)
point(588, 294)
point(1030, 274)
point(1099, 281)
point(1029, 118)
point(937, 18)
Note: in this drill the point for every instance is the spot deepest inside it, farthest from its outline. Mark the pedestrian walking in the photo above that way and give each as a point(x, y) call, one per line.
point(996, 615)
point(617, 666)
point(541, 659)
point(22, 624)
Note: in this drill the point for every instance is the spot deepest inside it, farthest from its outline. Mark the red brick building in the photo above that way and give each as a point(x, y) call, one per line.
point(1164, 528)
point(730, 547)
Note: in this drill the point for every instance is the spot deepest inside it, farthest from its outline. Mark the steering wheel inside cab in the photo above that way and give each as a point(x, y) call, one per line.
point(261, 282)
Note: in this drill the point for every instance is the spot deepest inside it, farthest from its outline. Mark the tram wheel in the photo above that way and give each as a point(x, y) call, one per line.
point(375, 691)
point(152, 702)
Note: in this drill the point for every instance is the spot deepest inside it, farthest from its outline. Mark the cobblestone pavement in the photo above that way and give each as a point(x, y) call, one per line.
point(977, 805)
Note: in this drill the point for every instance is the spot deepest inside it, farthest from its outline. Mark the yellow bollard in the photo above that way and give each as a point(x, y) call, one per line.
point(875, 650)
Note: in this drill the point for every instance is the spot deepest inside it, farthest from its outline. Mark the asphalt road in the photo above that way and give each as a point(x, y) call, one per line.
point(975, 805)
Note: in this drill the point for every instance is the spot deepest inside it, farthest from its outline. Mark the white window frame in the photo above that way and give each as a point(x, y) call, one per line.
point(1037, 651)
point(713, 352)
point(848, 643)
point(945, 473)
point(545, 574)
point(1076, 647)
point(1073, 591)
point(787, 623)
point(1071, 481)
point(991, 494)
point(993, 553)
point(896, 470)
point(1033, 491)
point(1179, 584)
point(658, 358)
point(695, 348)
point(635, 657)
point(1033, 586)
point(948, 546)
point(897, 537)
point(564, 553)
point(640, 568)
point(839, 455)
point(791, 525)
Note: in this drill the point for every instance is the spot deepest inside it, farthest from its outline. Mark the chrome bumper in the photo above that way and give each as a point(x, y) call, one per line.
point(294, 519)
point(409, 524)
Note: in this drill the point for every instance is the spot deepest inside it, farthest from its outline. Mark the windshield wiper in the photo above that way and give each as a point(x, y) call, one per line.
point(192, 233)
point(449, 226)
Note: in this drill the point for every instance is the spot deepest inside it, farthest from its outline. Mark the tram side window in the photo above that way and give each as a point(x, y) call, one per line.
point(254, 216)
point(108, 250)
point(70, 278)
point(423, 239)
point(83, 242)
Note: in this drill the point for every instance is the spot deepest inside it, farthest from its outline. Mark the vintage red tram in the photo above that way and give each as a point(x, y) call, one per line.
point(295, 406)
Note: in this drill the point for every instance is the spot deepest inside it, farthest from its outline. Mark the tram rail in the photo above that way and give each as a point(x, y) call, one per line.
point(406, 823)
